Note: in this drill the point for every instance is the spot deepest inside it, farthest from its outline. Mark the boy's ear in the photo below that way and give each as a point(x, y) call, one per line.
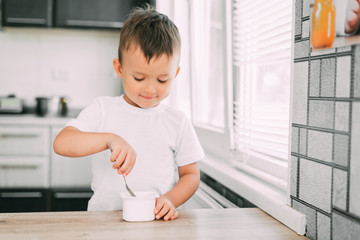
point(117, 67)
point(177, 71)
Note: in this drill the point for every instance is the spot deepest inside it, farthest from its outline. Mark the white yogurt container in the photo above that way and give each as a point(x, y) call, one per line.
point(139, 208)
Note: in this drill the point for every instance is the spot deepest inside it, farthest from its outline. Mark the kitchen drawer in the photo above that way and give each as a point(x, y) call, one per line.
point(22, 140)
point(71, 199)
point(24, 171)
point(70, 172)
point(24, 200)
point(67, 171)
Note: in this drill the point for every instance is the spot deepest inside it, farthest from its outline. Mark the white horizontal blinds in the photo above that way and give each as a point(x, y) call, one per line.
point(262, 63)
point(261, 30)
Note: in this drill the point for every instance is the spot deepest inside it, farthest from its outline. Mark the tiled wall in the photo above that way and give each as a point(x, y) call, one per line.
point(325, 172)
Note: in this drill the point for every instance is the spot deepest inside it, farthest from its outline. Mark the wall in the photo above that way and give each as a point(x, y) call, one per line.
point(51, 62)
point(325, 172)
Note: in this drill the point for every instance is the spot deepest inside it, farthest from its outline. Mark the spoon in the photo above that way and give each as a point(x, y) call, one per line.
point(127, 187)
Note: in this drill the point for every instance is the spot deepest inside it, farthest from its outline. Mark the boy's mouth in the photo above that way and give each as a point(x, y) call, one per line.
point(148, 98)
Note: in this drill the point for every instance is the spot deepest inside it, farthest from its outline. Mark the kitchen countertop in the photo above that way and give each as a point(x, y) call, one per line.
point(32, 119)
point(229, 223)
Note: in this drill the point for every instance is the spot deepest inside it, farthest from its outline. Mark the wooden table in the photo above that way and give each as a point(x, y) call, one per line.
point(236, 223)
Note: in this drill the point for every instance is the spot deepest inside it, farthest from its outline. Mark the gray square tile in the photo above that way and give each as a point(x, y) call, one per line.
point(315, 78)
point(298, 11)
point(343, 49)
point(295, 139)
point(342, 116)
point(301, 49)
point(327, 88)
point(355, 160)
point(323, 227)
point(300, 90)
point(341, 149)
point(344, 228)
point(322, 51)
point(306, 8)
point(321, 114)
point(293, 176)
point(320, 145)
point(315, 184)
point(357, 71)
point(339, 188)
point(303, 141)
point(305, 29)
point(343, 73)
point(310, 218)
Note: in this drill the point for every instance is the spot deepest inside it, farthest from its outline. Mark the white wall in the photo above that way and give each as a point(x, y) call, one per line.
point(52, 62)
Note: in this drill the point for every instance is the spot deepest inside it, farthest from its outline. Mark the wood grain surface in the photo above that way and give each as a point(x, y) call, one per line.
point(230, 223)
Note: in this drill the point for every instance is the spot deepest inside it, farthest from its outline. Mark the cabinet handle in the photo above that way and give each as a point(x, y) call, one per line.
point(21, 194)
point(8, 166)
point(20, 135)
point(26, 20)
point(87, 23)
point(73, 195)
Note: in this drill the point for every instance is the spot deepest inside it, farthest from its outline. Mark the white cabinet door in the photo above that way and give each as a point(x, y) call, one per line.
point(24, 171)
point(24, 140)
point(69, 172)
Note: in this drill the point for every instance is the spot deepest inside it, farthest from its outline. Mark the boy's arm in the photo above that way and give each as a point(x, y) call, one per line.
point(72, 142)
point(189, 180)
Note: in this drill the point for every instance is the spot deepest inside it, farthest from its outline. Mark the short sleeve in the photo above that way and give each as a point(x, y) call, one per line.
point(89, 118)
point(188, 148)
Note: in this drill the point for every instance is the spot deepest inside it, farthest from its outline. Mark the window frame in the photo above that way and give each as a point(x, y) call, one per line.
point(207, 133)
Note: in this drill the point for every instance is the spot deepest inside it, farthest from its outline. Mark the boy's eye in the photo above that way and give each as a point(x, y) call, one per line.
point(162, 80)
point(139, 79)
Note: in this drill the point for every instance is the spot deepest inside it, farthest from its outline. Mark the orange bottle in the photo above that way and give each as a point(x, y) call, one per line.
point(323, 24)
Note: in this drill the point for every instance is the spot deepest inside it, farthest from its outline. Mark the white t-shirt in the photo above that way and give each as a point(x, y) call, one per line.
point(162, 137)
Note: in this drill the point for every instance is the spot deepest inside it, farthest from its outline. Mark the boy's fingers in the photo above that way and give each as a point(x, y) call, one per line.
point(170, 214)
point(129, 168)
point(128, 161)
point(159, 205)
point(113, 156)
point(165, 209)
point(119, 160)
point(175, 215)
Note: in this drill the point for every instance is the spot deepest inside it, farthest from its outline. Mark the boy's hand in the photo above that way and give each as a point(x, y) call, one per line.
point(122, 155)
point(352, 16)
point(165, 208)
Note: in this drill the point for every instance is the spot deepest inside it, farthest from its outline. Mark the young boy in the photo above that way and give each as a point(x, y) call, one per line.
point(148, 139)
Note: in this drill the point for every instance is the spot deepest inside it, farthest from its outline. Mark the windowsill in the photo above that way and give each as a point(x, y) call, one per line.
point(266, 197)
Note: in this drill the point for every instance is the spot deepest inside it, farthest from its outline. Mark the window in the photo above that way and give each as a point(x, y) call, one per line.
point(241, 82)
point(208, 69)
point(262, 37)
point(211, 75)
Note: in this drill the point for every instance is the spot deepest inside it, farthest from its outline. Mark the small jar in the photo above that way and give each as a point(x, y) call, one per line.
point(323, 24)
point(63, 109)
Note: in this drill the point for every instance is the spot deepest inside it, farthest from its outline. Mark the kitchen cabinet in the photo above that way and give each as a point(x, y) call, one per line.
point(70, 199)
point(24, 200)
point(24, 156)
point(68, 172)
point(27, 13)
point(109, 14)
point(32, 176)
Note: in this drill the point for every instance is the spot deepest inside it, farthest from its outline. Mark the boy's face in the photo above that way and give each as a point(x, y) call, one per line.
point(146, 84)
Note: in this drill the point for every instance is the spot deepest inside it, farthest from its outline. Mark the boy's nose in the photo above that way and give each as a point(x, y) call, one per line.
point(150, 88)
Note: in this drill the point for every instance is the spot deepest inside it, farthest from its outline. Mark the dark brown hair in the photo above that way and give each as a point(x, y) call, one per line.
point(152, 31)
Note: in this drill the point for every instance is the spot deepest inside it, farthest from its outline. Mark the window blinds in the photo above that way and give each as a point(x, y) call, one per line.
point(262, 39)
